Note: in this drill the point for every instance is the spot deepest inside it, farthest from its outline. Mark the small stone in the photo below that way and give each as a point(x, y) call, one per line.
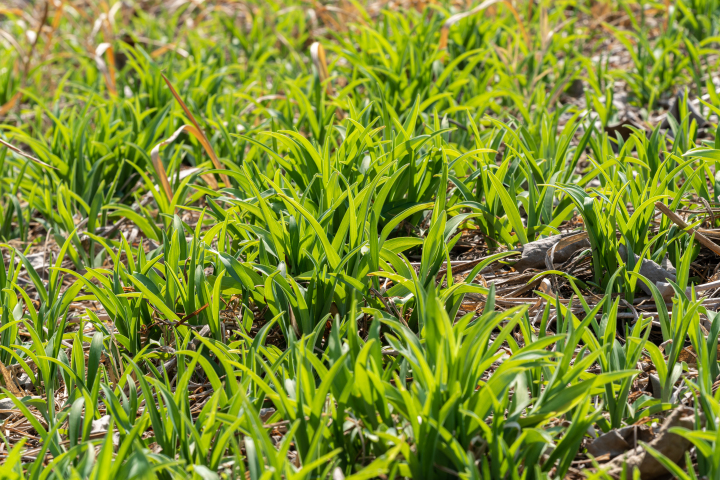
point(533, 253)
point(6, 404)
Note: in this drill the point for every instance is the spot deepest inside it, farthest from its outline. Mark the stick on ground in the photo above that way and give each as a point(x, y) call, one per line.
point(681, 223)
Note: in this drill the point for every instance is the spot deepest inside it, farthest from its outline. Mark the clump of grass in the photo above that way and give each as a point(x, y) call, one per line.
point(277, 241)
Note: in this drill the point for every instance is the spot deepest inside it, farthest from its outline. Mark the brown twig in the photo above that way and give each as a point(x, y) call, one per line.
point(43, 19)
point(387, 306)
point(20, 152)
point(681, 223)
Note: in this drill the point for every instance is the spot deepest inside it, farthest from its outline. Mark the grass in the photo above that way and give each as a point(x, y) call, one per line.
point(276, 239)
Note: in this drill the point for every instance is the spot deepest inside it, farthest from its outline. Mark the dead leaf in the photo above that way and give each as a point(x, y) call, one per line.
point(10, 381)
point(10, 103)
point(317, 53)
point(198, 133)
point(689, 356)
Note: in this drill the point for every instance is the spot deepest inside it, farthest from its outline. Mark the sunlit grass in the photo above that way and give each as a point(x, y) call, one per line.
point(230, 237)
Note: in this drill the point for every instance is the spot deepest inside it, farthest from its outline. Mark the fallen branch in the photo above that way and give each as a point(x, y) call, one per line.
point(681, 223)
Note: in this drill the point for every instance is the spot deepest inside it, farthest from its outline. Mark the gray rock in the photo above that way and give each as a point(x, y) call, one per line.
point(266, 413)
point(100, 427)
point(671, 445)
point(610, 443)
point(24, 381)
point(616, 442)
point(6, 404)
point(655, 385)
point(534, 253)
point(39, 261)
point(653, 272)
